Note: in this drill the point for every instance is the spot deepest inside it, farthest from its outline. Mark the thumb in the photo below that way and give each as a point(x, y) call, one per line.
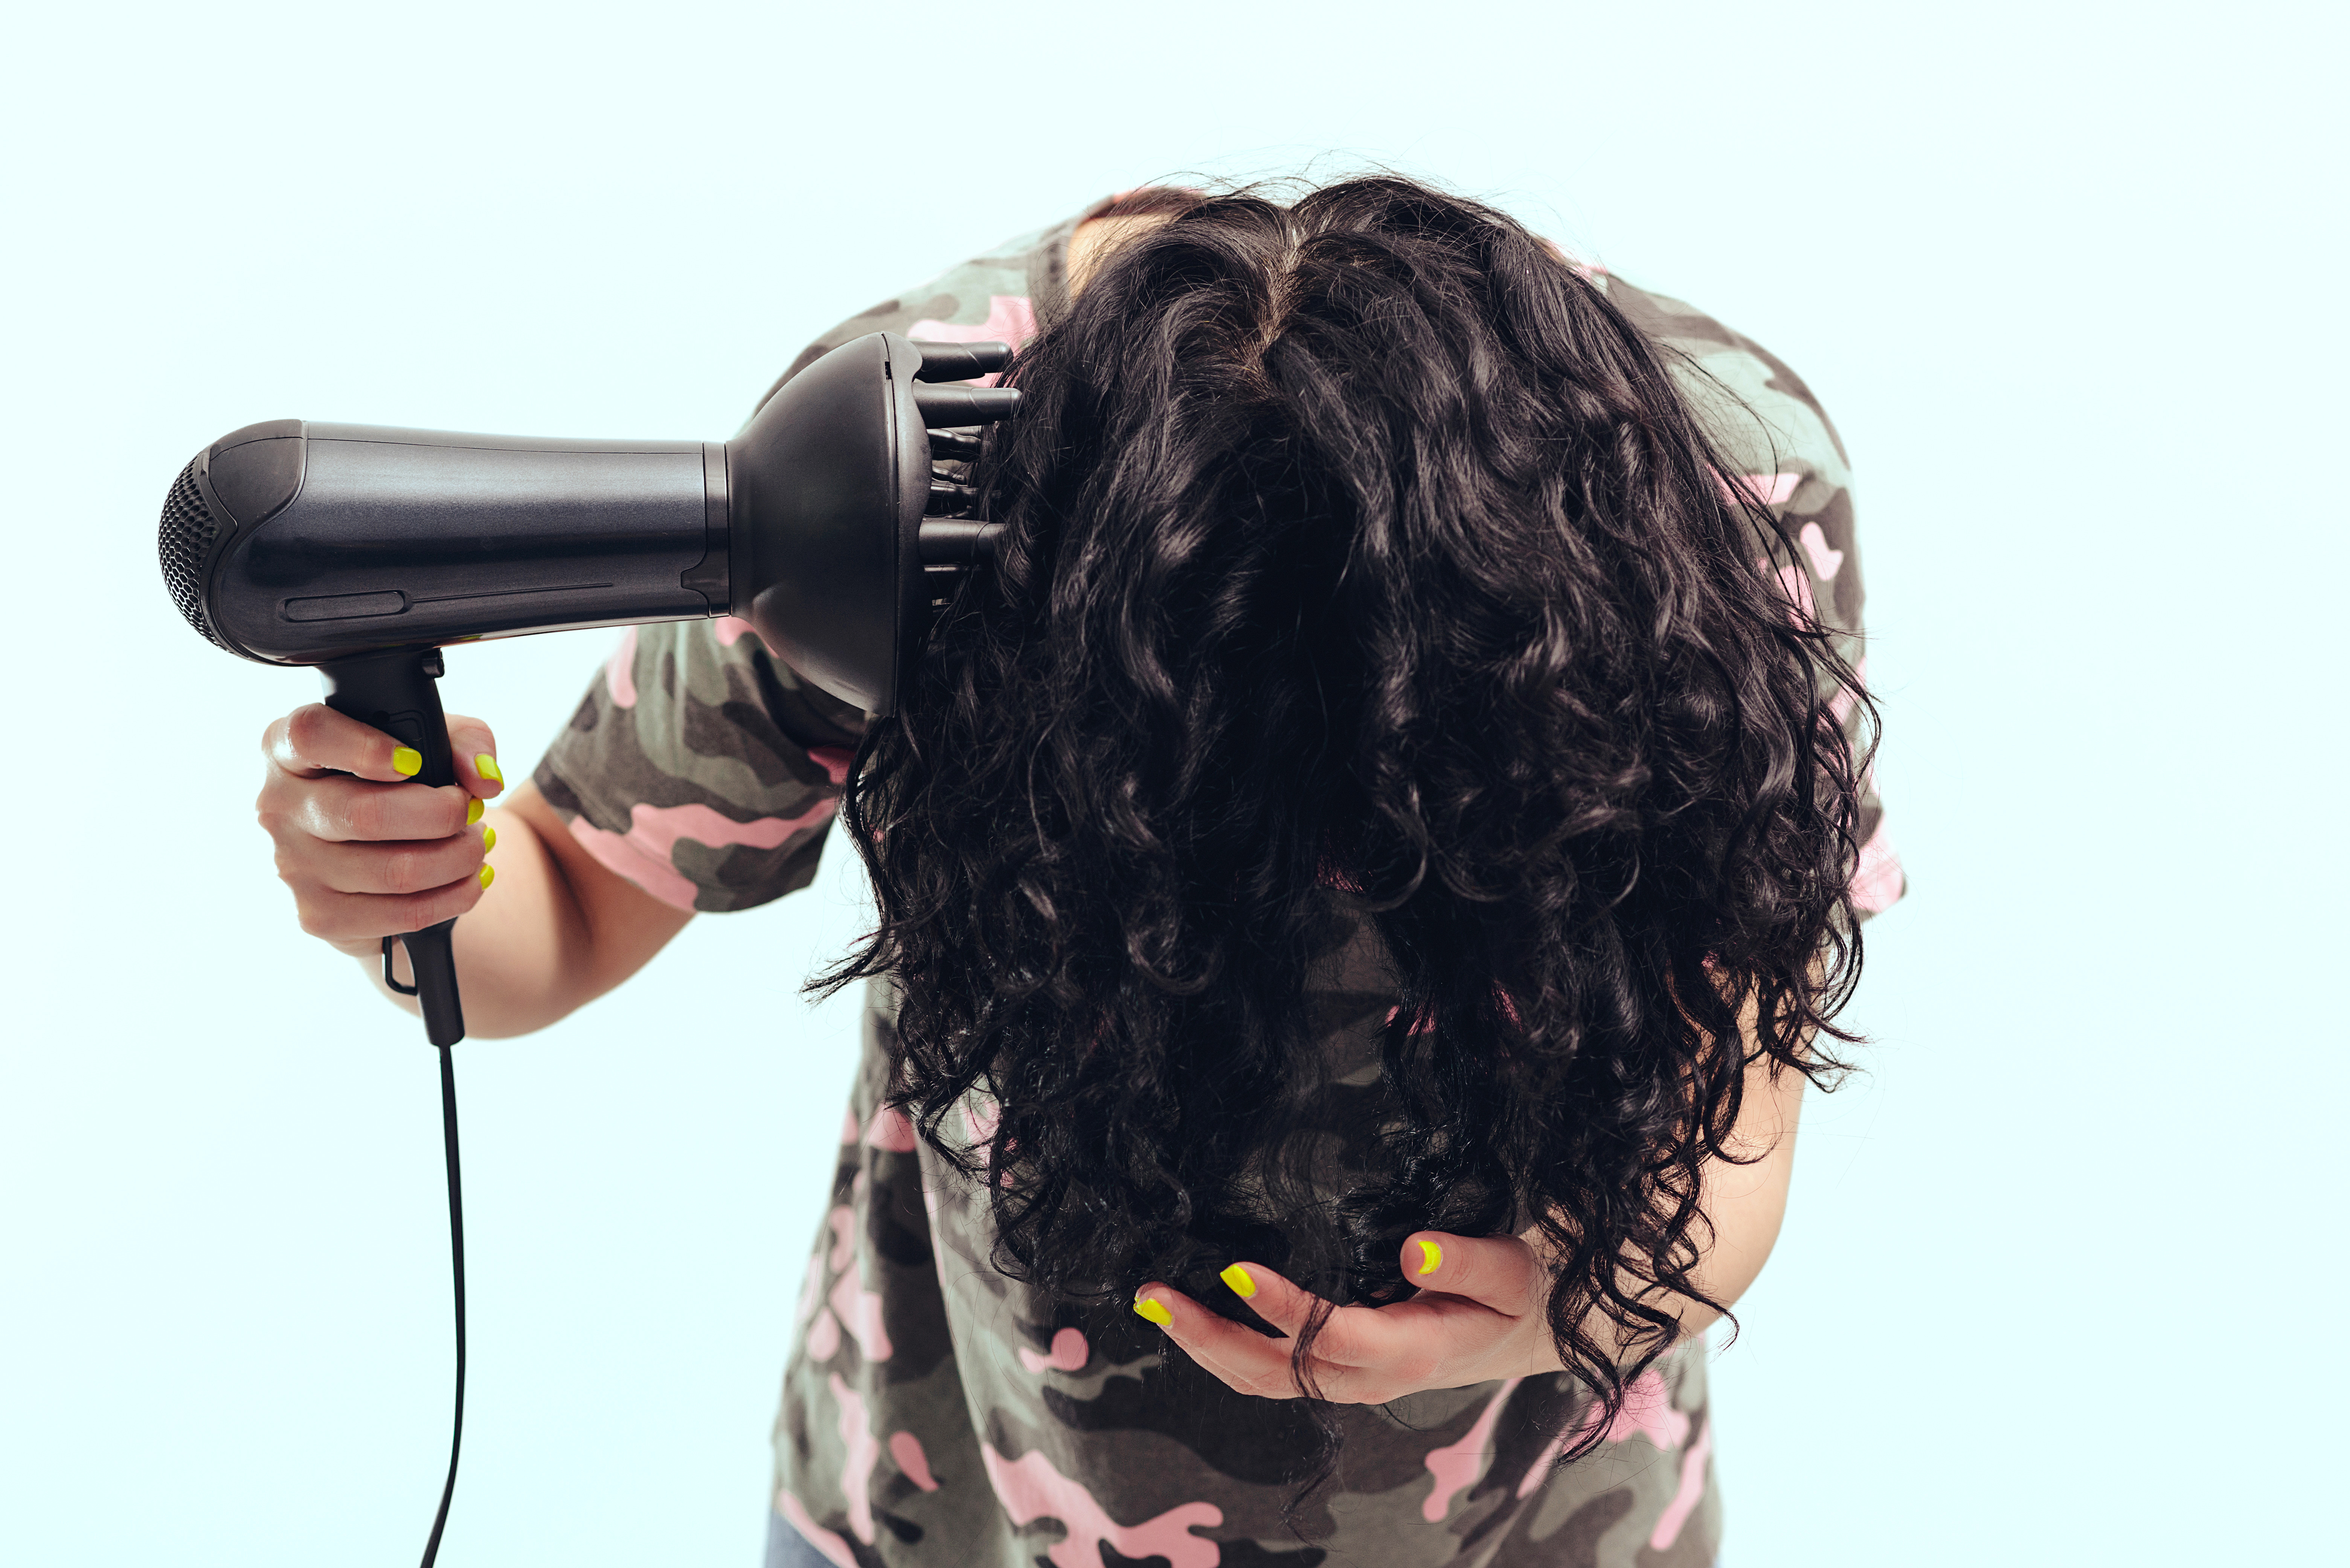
point(475, 752)
point(1497, 1271)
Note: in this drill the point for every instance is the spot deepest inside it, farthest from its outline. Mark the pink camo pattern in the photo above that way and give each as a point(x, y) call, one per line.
point(892, 1131)
point(864, 1453)
point(859, 1310)
point(1647, 1412)
point(1826, 562)
point(1770, 489)
point(621, 672)
point(905, 1453)
point(1030, 1488)
point(1458, 1465)
point(1687, 1495)
point(642, 854)
point(1069, 1353)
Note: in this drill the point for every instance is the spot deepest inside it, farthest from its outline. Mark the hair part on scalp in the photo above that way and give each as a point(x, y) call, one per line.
point(1360, 562)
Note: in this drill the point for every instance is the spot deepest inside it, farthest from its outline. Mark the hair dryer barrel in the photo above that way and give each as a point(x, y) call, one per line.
point(824, 523)
point(297, 543)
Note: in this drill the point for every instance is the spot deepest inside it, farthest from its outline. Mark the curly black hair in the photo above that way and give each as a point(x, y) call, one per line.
point(1360, 562)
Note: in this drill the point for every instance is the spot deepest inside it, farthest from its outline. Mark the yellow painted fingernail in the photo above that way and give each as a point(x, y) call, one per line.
point(1238, 1278)
point(489, 839)
point(487, 766)
point(489, 876)
point(406, 760)
point(473, 811)
point(1152, 1311)
point(1431, 1256)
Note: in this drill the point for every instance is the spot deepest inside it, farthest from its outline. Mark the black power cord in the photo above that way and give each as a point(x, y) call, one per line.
point(457, 1282)
point(457, 1260)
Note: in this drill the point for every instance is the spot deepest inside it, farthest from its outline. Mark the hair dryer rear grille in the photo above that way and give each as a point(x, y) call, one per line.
point(181, 543)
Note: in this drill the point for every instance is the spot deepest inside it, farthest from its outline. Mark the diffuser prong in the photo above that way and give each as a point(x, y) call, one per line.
point(953, 408)
point(961, 361)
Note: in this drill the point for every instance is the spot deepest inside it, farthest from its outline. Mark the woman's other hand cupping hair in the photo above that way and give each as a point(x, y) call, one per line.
point(1479, 1314)
point(1482, 1310)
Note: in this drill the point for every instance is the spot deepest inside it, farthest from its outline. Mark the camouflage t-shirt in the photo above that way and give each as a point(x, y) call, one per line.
point(937, 1412)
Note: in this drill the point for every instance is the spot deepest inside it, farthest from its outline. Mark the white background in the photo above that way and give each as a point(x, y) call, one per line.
point(2058, 1282)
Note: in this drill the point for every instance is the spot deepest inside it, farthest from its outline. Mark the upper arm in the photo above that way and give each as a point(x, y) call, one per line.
point(1744, 1199)
point(620, 925)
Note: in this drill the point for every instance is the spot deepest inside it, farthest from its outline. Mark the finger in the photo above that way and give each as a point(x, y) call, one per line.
point(1497, 1271)
point(1350, 1337)
point(365, 916)
point(1238, 1356)
point(398, 866)
point(1248, 1363)
point(315, 739)
point(341, 809)
point(476, 750)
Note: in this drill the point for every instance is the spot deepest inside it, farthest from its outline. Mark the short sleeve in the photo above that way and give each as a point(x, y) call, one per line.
point(699, 766)
point(1787, 456)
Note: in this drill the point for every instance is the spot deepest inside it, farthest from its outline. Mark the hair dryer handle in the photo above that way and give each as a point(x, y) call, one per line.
point(394, 692)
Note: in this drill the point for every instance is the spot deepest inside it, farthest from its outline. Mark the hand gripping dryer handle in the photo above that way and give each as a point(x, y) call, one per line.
point(395, 691)
point(365, 549)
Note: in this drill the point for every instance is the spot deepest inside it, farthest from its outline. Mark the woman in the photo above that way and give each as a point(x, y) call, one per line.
point(1362, 881)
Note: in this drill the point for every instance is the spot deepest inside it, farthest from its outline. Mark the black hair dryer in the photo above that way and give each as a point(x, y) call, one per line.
point(365, 550)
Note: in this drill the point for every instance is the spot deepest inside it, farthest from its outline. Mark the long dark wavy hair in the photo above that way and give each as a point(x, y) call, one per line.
point(1361, 562)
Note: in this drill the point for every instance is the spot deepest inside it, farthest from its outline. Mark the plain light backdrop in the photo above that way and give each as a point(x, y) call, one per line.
point(2057, 1280)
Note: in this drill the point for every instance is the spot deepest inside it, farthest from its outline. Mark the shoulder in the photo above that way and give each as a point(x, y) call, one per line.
point(700, 768)
point(999, 296)
point(1753, 403)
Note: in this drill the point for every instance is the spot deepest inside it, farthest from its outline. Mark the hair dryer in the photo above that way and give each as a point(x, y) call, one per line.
point(364, 550)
